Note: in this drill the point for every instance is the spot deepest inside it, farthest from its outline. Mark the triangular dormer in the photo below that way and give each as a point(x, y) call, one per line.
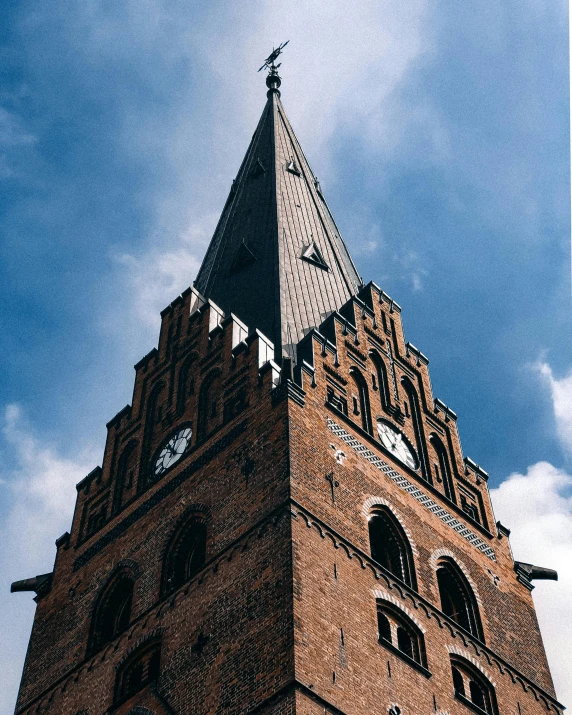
point(311, 253)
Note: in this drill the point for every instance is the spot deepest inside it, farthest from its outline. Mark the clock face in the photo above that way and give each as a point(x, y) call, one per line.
point(173, 450)
point(396, 443)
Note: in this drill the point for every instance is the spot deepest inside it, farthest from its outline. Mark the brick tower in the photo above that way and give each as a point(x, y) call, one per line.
point(284, 521)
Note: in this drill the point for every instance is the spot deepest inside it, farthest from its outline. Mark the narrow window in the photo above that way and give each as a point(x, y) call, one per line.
point(209, 412)
point(138, 671)
point(153, 420)
point(472, 688)
point(418, 427)
point(185, 555)
point(397, 631)
point(125, 476)
point(458, 682)
point(361, 404)
point(383, 626)
point(382, 380)
point(389, 545)
point(185, 387)
point(112, 613)
point(457, 598)
point(444, 470)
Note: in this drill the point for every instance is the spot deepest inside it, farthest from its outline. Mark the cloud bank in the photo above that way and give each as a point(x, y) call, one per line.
point(537, 507)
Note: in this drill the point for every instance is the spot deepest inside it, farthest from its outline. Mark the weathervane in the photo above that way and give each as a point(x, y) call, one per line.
point(269, 61)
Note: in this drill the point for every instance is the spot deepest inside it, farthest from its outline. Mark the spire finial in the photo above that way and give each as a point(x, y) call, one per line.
point(273, 80)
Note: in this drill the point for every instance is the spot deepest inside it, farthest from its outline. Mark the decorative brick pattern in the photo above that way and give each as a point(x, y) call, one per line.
point(405, 484)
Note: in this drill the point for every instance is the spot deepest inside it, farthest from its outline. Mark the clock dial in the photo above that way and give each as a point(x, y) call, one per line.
point(395, 442)
point(173, 450)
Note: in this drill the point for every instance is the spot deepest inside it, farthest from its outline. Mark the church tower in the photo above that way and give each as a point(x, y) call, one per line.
point(284, 521)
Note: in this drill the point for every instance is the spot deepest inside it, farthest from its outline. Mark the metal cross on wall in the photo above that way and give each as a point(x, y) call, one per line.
point(333, 484)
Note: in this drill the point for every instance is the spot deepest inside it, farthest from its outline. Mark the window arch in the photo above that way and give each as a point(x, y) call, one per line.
point(382, 380)
point(139, 670)
point(417, 426)
point(125, 475)
point(400, 632)
point(186, 553)
point(209, 404)
point(444, 467)
point(390, 546)
point(361, 404)
point(112, 613)
point(472, 688)
point(457, 598)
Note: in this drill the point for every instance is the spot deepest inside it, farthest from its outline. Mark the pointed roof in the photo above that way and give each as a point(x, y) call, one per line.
point(277, 259)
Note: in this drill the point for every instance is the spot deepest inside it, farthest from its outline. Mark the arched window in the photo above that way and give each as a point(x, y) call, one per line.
point(399, 631)
point(472, 688)
point(444, 467)
point(112, 614)
point(457, 598)
point(186, 386)
point(382, 380)
point(418, 427)
point(139, 670)
point(389, 545)
point(185, 554)
point(361, 402)
point(125, 480)
point(210, 409)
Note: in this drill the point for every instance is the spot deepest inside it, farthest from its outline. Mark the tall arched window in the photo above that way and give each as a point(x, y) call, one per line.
point(397, 630)
point(112, 613)
point(185, 386)
point(418, 427)
point(186, 552)
point(139, 670)
point(389, 545)
point(125, 480)
point(472, 688)
point(444, 467)
point(382, 380)
point(361, 401)
point(457, 598)
point(210, 404)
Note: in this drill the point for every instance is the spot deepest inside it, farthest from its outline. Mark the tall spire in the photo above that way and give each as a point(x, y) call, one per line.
point(277, 259)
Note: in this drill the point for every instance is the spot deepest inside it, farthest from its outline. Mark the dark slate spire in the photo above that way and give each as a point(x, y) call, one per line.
point(277, 260)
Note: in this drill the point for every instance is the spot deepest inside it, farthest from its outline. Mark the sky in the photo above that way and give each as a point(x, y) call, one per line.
point(439, 131)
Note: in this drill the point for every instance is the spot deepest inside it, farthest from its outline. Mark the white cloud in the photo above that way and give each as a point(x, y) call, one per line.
point(537, 507)
point(561, 393)
point(38, 485)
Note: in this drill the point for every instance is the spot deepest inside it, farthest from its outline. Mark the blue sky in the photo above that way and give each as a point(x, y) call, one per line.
point(440, 134)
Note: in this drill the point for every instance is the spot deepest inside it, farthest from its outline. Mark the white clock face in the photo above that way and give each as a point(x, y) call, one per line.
point(394, 441)
point(173, 450)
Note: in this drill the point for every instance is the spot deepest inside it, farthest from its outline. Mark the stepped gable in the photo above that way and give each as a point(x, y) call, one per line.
point(277, 258)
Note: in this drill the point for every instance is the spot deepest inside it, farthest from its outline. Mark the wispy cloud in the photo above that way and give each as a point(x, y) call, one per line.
point(39, 495)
